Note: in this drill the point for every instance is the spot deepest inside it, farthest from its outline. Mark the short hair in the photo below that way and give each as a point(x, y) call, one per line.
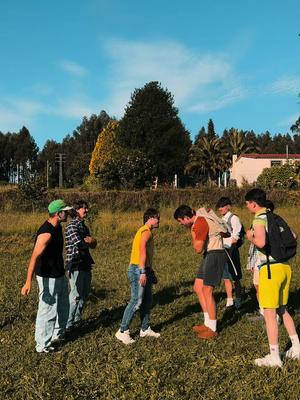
point(223, 201)
point(270, 205)
point(150, 213)
point(184, 211)
point(79, 204)
point(257, 195)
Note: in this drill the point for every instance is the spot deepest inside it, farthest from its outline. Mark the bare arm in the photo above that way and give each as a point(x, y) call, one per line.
point(38, 250)
point(257, 236)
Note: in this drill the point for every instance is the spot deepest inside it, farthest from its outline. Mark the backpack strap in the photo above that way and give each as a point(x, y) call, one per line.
point(267, 252)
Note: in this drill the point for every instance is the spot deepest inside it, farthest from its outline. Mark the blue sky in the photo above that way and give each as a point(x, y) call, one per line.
point(236, 62)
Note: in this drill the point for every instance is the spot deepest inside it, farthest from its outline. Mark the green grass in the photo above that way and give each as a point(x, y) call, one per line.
point(94, 365)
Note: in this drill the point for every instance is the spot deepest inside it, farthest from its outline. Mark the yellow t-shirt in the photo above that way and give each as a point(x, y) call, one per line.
point(135, 252)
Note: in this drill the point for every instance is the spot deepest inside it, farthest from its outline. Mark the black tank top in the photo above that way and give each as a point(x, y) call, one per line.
point(51, 264)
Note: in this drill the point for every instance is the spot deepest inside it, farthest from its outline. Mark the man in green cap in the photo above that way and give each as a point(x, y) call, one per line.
point(48, 265)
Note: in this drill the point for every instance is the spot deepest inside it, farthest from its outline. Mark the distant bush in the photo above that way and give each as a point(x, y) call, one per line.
point(279, 176)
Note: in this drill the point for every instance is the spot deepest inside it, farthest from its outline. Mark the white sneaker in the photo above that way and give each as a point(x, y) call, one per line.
point(124, 337)
point(292, 353)
point(149, 332)
point(268, 361)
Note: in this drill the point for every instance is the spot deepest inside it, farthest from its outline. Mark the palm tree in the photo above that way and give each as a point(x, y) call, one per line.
point(205, 158)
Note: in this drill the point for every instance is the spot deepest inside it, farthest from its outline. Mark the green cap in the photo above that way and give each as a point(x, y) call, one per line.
point(57, 206)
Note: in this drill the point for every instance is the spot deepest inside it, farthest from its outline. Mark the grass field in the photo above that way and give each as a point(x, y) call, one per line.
point(94, 365)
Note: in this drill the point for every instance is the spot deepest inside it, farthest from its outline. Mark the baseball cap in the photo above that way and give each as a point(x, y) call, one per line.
point(57, 206)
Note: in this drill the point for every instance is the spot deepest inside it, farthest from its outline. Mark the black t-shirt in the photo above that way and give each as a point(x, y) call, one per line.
point(51, 263)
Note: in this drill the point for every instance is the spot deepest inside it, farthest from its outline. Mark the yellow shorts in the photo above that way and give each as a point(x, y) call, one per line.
point(274, 292)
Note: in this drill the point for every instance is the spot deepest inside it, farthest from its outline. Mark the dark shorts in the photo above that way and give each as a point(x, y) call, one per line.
point(229, 271)
point(212, 267)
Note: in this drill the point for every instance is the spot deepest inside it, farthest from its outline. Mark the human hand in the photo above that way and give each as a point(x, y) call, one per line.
point(26, 289)
point(143, 279)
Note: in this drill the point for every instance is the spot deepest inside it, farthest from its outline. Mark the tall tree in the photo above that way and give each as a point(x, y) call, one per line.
point(211, 134)
point(151, 124)
point(106, 148)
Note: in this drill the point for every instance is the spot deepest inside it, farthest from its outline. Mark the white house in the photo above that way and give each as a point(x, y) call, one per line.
point(247, 167)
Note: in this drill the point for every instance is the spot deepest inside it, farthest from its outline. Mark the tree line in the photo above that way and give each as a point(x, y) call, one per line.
point(149, 141)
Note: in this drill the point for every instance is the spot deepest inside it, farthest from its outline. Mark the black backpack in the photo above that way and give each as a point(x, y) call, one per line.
point(281, 242)
point(241, 233)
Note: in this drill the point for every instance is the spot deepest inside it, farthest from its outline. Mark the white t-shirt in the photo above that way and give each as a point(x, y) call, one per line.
point(236, 227)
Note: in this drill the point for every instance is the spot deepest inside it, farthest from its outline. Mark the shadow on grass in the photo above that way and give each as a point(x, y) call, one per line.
point(167, 295)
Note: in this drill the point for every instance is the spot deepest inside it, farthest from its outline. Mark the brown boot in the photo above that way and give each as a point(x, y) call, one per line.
point(207, 334)
point(200, 328)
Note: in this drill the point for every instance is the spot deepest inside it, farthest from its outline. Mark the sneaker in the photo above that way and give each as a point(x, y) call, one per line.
point(149, 332)
point(292, 353)
point(207, 334)
point(58, 341)
point(124, 337)
point(268, 361)
point(49, 349)
point(200, 328)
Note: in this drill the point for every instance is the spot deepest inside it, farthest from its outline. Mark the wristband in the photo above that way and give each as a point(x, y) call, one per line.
point(142, 271)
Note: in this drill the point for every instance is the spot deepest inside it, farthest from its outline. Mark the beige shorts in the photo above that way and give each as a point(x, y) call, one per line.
point(256, 276)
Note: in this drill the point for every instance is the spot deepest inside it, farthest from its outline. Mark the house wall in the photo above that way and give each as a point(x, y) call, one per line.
point(250, 168)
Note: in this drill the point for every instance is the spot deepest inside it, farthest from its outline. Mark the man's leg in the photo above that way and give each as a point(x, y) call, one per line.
point(47, 313)
point(73, 298)
point(269, 299)
point(135, 299)
point(198, 289)
point(211, 306)
point(62, 308)
point(228, 289)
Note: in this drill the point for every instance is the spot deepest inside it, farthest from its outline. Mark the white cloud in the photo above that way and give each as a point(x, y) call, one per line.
point(73, 108)
point(199, 82)
point(14, 113)
point(73, 68)
point(289, 121)
point(285, 85)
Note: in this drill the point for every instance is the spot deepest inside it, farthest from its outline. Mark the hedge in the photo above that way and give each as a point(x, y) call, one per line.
point(140, 200)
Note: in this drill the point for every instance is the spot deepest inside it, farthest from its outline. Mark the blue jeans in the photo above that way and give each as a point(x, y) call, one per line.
point(141, 299)
point(80, 284)
point(53, 310)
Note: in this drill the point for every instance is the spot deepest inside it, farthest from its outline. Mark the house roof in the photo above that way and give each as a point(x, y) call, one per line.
point(268, 156)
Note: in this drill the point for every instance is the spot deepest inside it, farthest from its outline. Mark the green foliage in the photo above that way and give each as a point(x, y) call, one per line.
point(33, 191)
point(151, 124)
point(18, 156)
point(279, 176)
point(131, 170)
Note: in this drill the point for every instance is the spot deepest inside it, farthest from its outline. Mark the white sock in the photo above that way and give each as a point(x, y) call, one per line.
point(295, 341)
point(206, 319)
point(261, 311)
point(229, 302)
point(213, 324)
point(274, 350)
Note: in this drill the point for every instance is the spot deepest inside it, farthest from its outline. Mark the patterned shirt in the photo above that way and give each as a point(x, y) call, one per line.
point(77, 251)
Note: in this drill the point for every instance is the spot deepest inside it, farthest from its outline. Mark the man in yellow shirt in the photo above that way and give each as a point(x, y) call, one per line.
point(141, 278)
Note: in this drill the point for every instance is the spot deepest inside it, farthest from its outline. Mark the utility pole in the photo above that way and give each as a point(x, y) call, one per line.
point(47, 174)
point(60, 158)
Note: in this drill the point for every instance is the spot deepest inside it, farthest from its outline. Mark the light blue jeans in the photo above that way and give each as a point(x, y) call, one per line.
point(53, 310)
point(141, 299)
point(80, 284)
